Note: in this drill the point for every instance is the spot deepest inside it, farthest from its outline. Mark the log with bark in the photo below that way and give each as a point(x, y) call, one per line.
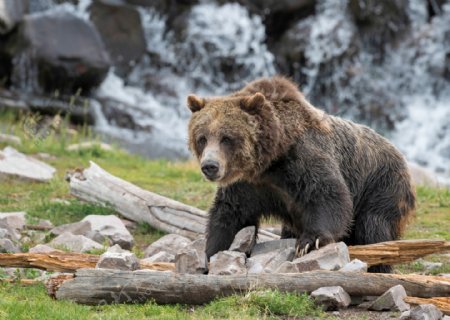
point(65, 262)
point(442, 303)
point(102, 286)
point(391, 252)
point(96, 185)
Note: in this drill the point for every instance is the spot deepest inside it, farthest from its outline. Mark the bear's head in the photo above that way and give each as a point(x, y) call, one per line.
point(234, 138)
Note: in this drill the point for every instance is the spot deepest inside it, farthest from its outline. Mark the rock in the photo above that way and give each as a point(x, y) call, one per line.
point(43, 248)
point(422, 312)
point(35, 236)
point(77, 228)
point(89, 145)
point(189, 261)
point(121, 29)
point(355, 265)
point(74, 243)
point(45, 224)
point(7, 246)
point(391, 300)
point(430, 266)
point(62, 51)
point(228, 263)
point(110, 227)
point(116, 258)
point(331, 298)
point(13, 220)
point(274, 245)
point(244, 240)
point(17, 165)
point(161, 256)
point(270, 261)
point(421, 176)
point(171, 243)
point(7, 138)
point(11, 12)
point(331, 257)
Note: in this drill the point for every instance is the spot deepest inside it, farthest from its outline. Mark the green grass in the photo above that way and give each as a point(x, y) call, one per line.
point(181, 181)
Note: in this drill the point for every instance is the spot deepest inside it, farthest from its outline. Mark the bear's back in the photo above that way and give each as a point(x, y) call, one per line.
point(274, 89)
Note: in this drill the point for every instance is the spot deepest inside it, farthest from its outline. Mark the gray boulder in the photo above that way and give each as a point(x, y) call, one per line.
point(7, 246)
point(74, 243)
point(43, 248)
point(332, 298)
point(423, 312)
point(119, 259)
point(171, 243)
point(161, 256)
point(270, 261)
point(13, 220)
point(355, 265)
point(244, 240)
point(391, 300)
point(77, 228)
point(11, 12)
point(189, 261)
point(64, 51)
point(109, 227)
point(228, 263)
point(331, 257)
point(274, 245)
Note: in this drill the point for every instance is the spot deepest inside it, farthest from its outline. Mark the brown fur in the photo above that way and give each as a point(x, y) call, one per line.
point(325, 177)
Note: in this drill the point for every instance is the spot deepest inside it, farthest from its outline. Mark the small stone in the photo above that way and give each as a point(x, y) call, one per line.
point(270, 261)
point(189, 261)
point(171, 243)
point(355, 265)
point(7, 232)
point(161, 256)
point(331, 257)
point(7, 246)
point(74, 243)
point(118, 259)
point(77, 228)
point(331, 298)
point(45, 224)
point(110, 227)
point(8, 138)
point(35, 236)
point(42, 248)
point(228, 263)
point(244, 240)
point(422, 312)
point(274, 245)
point(15, 220)
point(391, 300)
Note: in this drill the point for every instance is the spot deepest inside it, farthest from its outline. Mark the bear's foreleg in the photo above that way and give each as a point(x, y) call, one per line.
point(235, 207)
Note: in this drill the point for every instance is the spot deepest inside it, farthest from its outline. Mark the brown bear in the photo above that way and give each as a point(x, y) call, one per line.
point(272, 153)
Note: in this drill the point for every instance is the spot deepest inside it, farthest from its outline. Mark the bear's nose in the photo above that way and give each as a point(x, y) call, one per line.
point(210, 168)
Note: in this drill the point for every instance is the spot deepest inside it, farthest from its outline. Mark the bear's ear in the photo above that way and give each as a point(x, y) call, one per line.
point(195, 103)
point(253, 103)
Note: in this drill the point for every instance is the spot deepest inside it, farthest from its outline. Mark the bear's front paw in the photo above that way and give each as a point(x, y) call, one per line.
point(308, 242)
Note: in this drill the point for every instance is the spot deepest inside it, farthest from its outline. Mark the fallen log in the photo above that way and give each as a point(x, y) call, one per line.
point(442, 303)
point(102, 286)
point(64, 262)
point(96, 185)
point(395, 252)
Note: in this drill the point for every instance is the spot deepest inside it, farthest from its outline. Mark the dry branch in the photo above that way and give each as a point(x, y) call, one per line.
point(100, 286)
point(442, 303)
point(96, 185)
point(64, 262)
point(395, 252)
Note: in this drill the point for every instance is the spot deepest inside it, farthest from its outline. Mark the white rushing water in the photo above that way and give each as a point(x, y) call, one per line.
point(221, 47)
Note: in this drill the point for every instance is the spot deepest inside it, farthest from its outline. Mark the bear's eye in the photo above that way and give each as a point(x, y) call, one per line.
point(226, 141)
point(201, 141)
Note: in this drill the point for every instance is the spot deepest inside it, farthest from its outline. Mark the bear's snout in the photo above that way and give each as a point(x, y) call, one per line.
point(210, 168)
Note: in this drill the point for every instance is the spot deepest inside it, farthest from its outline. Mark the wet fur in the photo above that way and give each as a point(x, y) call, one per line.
point(321, 175)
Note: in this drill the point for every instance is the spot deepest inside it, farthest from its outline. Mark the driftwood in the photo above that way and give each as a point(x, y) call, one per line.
point(101, 286)
point(395, 252)
point(96, 185)
point(64, 262)
point(443, 303)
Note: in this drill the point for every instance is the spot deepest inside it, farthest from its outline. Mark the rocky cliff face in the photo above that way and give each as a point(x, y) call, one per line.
point(384, 63)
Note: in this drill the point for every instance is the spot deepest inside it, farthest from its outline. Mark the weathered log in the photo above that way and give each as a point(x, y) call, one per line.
point(101, 286)
point(96, 185)
point(395, 252)
point(64, 262)
point(442, 303)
